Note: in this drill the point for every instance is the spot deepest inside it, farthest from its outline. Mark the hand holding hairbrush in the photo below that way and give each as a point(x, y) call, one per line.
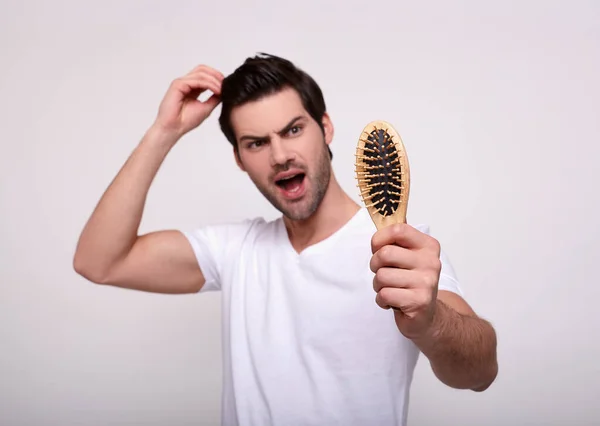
point(405, 261)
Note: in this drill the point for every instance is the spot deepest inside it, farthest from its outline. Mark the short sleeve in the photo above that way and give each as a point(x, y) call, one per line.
point(214, 245)
point(448, 280)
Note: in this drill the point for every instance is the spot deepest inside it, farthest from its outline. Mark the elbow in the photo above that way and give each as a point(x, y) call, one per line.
point(483, 387)
point(489, 364)
point(489, 378)
point(83, 267)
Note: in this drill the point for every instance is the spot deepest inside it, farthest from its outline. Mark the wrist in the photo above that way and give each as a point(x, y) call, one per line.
point(436, 326)
point(161, 137)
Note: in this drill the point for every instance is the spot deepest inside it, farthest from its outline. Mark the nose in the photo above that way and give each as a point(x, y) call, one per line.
point(280, 154)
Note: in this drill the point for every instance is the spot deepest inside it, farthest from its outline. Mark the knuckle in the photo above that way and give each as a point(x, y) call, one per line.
point(373, 264)
point(380, 276)
point(386, 253)
point(435, 264)
point(378, 300)
point(430, 280)
point(423, 299)
point(385, 295)
point(398, 229)
point(435, 245)
point(383, 277)
point(199, 68)
point(374, 242)
point(178, 82)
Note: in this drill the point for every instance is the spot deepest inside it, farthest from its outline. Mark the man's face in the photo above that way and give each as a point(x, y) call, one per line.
point(284, 152)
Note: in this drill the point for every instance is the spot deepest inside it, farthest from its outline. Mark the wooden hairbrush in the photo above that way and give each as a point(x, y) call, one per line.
point(383, 173)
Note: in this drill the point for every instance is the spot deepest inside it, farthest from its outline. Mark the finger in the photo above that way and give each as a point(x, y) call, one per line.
point(392, 298)
point(211, 102)
point(215, 83)
point(202, 74)
point(394, 256)
point(209, 70)
point(381, 302)
point(205, 107)
point(197, 85)
point(195, 94)
point(403, 235)
point(400, 234)
point(407, 301)
point(395, 278)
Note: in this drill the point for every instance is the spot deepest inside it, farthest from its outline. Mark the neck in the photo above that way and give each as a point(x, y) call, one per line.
point(335, 210)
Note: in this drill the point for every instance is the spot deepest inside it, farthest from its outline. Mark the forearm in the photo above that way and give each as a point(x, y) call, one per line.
point(113, 226)
point(461, 349)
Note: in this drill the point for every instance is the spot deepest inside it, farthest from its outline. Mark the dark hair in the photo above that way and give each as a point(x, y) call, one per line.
point(263, 75)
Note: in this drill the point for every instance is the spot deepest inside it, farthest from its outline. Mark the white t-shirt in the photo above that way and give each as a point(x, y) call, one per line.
point(304, 342)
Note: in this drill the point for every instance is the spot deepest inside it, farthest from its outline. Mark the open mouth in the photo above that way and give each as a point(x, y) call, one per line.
point(291, 185)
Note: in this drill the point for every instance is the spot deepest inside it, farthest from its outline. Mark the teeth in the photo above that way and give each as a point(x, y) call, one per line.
point(288, 177)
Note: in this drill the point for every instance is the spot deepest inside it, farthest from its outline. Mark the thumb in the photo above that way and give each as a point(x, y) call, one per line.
point(202, 109)
point(211, 103)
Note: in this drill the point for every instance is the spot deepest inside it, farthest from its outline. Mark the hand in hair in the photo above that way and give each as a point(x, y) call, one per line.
point(180, 110)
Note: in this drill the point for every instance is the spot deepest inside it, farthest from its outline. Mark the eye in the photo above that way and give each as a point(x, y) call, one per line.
point(294, 130)
point(255, 144)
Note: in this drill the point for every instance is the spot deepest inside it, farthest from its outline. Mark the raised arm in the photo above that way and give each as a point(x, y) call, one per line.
point(110, 249)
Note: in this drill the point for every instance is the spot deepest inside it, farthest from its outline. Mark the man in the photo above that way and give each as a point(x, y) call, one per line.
point(309, 336)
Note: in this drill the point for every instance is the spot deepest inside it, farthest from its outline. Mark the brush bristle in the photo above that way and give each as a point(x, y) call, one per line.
point(379, 172)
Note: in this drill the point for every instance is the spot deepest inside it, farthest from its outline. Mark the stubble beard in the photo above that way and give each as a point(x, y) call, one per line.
point(305, 207)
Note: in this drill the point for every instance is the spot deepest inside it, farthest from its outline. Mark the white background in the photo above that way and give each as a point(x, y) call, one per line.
point(497, 104)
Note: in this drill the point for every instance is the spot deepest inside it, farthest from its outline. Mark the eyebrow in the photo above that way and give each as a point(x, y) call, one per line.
point(280, 132)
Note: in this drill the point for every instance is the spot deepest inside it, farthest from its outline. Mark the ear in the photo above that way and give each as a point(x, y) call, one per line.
point(327, 128)
point(238, 160)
